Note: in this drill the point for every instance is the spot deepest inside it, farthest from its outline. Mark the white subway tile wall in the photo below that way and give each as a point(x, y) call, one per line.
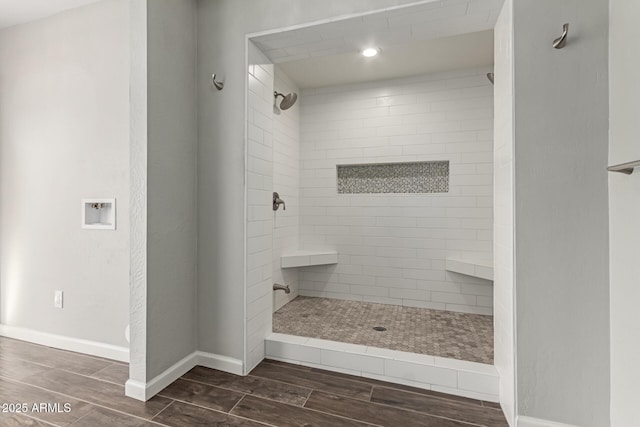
point(392, 247)
point(286, 181)
point(259, 204)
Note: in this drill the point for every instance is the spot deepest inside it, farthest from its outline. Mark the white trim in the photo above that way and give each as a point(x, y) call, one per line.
point(135, 390)
point(537, 422)
point(138, 147)
point(144, 392)
point(62, 342)
point(219, 362)
point(245, 210)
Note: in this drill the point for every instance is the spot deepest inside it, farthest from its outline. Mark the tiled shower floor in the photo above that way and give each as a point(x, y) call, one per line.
point(417, 330)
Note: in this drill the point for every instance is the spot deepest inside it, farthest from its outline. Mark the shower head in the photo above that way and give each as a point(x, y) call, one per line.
point(287, 100)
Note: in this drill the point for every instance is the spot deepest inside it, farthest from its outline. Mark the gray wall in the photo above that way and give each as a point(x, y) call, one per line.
point(624, 205)
point(562, 298)
point(64, 136)
point(222, 26)
point(171, 183)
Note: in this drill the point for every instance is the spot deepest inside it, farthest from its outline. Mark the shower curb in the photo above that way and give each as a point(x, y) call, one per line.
point(452, 376)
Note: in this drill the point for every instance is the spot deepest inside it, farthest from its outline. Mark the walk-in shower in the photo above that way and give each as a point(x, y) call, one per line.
point(386, 243)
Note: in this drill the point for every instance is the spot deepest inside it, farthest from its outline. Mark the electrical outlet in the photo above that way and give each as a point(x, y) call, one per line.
point(57, 299)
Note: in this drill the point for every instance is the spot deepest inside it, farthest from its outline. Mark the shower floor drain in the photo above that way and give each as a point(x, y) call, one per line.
point(379, 328)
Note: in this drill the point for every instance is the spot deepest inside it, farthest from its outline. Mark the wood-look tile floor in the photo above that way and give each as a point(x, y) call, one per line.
point(274, 394)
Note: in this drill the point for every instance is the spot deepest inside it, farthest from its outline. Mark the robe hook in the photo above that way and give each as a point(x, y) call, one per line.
point(562, 40)
point(218, 85)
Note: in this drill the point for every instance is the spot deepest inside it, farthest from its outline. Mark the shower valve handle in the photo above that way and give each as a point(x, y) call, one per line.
point(277, 201)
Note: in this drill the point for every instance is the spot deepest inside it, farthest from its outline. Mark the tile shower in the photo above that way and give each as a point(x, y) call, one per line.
point(393, 242)
point(396, 177)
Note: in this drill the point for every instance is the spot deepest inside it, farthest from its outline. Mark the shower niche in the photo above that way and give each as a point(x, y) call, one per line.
point(400, 178)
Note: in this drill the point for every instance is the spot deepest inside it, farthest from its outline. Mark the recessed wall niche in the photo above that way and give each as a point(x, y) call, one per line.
point(406, 177)
point(99, 214)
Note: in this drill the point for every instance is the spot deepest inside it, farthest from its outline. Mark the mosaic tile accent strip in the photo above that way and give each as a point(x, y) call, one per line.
point(412, 177)
point(441, 333)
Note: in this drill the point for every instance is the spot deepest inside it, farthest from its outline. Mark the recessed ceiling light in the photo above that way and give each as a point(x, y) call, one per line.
point(369, 52)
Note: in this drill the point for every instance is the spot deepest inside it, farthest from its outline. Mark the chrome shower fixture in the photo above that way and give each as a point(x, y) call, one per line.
point(287, 100)
point(279, 287)
point(277, 201)
point(490, 77)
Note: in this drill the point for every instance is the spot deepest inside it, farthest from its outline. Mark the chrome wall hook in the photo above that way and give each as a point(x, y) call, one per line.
point(218, 85)
point(561, 41)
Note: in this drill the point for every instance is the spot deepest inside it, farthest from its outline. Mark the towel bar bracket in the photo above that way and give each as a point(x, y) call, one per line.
point(625, 168)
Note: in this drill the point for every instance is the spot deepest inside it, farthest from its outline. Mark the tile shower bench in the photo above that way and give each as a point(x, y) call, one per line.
point(482, 268)
point(304, 258)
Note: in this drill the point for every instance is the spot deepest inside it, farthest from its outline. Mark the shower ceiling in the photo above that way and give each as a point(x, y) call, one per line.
point(430, 56)
point(430, 37)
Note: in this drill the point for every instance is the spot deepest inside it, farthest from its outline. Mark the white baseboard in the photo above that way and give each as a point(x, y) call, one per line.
point(221, 363)
point(536, 422)
point(136, 390)
point(62, 342)
point(145, 391)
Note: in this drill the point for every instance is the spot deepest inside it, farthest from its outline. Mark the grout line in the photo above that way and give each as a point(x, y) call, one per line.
point(236, 404)
point(307, 399)
point(304, 408)
point(428, 414)
point(102, 379)
point(244, 395)
point(203, 383)
point(82, 417)
point(449, 399)
point(163, 409)
point(284, 382)
point(186, 402)
point(287, 365)
point(219, 411)
point(237, 391)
